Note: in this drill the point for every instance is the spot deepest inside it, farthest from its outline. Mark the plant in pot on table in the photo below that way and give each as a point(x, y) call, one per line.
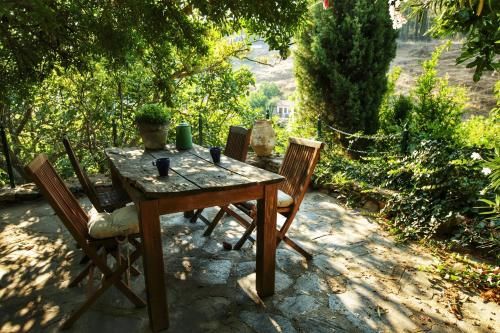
point(152, 121)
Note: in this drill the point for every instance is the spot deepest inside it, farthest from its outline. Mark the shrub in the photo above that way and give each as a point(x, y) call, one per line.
point(438, 106)
point(432, 110)
point(152, 114)
point(439, 186)
point(439, 181)
point(483, 131)
point(341, 64)
point(480, 131)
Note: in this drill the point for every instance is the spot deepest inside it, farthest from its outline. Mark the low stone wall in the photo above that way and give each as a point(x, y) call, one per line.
point(29, 191)
point(271, 163)
point(371, 200)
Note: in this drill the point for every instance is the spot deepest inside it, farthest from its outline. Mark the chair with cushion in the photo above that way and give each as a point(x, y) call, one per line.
point(104, 199)
point(237, 148)
point(298, 166)
point(98, 235)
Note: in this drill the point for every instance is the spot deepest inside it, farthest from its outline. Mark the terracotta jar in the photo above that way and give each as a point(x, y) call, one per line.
point(263, 138)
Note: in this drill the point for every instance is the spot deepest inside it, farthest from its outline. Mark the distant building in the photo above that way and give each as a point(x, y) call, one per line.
point(284, 109)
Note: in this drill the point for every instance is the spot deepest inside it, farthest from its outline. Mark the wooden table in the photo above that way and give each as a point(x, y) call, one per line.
point(193, 182)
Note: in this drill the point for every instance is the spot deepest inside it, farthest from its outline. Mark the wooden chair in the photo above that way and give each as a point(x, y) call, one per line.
point(75, 219)
point(104, 199)
point(237, 144)
point(298, 166)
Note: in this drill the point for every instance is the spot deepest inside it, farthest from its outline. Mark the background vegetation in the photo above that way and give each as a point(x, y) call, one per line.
point(439, 173)
point(84, 67)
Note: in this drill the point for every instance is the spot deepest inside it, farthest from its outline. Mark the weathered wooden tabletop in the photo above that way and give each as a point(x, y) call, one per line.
point(190, 171)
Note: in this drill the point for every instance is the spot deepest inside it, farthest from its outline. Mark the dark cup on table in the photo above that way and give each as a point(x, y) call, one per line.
point(162, 164)
point(215, 153)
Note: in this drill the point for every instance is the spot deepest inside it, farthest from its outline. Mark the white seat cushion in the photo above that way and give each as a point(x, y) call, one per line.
point(122, 222)
point(284, 200)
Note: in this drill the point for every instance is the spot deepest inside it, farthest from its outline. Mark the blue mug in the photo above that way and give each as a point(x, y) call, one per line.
point(215, 153)
point(162, 164)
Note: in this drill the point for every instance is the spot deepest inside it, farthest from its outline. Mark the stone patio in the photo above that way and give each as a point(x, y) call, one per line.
point(360, 280)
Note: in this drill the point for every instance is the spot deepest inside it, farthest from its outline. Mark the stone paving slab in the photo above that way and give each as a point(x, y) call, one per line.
point(360, 279)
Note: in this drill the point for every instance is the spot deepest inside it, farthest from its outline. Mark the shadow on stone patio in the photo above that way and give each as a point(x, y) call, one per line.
point(360, 279)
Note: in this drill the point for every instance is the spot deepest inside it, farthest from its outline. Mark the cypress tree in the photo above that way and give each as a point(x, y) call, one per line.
point(341, 62)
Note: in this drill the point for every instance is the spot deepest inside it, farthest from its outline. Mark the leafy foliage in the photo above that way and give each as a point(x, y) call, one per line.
point(461, 269)
point(439, 184)
point(439, 106)
point(96, 107)
point(36, 36)
point(477, 20)
point(341, 64)
point(152, 114)
point(265, 97)
point(150, 51)
point(480, 131)
point(483, 131)
point(432, 111)
point(439, 180)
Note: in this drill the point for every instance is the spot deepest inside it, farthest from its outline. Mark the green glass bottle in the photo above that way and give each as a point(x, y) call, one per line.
point(183, 137)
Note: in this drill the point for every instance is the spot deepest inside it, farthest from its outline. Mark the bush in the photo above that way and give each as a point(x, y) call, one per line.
point(480, 131)
point(341, 63)
point(438, 106)
point(439, 180)
point(155, 114)
point(483, 131)
point(432, 111)
point(439, 187)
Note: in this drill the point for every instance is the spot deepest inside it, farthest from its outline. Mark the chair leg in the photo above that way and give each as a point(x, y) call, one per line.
point(297, 248)
point(245, 236)
point(115, 277)
point(204, 219)
point(281, 236)
point(85, 259)
point(197, 214)
point(80, 276)
point(90, 282)
point(134, 271)
point(108, 282)
point(77, 314)
point(188, 214)
point(214, 223)
point(109, 279)
point(244, 223)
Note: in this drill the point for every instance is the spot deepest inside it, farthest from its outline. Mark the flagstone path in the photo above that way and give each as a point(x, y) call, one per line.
point(360, 280)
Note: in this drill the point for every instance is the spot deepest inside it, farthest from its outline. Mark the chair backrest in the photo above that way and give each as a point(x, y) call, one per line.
point(301, 158)
point(237, 143)
point(85, 182)
point(60, 197)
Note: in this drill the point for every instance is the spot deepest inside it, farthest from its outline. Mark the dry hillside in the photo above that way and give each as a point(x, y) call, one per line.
point(409, 57)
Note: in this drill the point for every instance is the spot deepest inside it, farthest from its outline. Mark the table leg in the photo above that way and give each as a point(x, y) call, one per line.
point(115, 178)
point(153, 265)
point(266, 241)
point(188, 214)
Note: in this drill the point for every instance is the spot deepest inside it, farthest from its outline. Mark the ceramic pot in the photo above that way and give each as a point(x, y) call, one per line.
point(153, 136)
point(263, 138)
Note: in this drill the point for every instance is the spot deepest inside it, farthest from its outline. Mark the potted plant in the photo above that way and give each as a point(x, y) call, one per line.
point(152, 121)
